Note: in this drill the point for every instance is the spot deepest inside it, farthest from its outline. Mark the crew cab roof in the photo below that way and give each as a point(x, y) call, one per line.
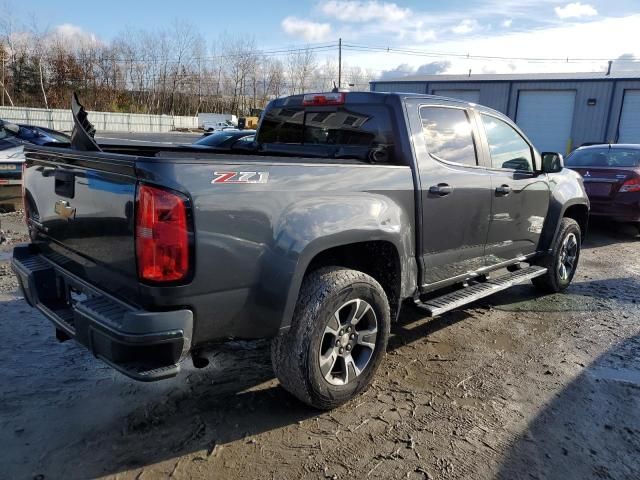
point(382, 97)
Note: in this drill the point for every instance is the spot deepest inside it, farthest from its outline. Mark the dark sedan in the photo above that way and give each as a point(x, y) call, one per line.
point(611, 175)
point(226, 140)
point(13, 138)
point(42, 135)
point(12, 134)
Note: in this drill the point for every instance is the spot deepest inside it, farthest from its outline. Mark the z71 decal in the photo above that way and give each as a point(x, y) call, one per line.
point(240, 177)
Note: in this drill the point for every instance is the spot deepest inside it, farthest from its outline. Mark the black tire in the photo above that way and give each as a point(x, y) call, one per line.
point(554, 281)
point(296, 355)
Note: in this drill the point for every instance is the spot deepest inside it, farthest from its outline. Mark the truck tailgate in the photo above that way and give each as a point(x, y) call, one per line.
point(83, 209)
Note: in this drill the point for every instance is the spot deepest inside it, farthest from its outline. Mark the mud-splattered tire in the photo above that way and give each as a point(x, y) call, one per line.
point(562, 261)
point(337, 339)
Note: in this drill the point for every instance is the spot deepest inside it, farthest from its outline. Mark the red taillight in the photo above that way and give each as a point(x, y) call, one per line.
point(162, 235)
point(320, 99)
point(632, 185)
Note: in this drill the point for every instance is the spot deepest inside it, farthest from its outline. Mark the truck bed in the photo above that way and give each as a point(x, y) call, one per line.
point(247, 237)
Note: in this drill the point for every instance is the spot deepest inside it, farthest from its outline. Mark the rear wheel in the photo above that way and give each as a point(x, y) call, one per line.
point(562, 261)
point(337, 339)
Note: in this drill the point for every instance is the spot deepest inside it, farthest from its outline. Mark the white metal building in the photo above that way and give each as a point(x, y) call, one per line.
point(557, 111)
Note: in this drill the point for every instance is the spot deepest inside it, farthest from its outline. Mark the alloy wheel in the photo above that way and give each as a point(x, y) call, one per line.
point(348, 342)
point(568, 257)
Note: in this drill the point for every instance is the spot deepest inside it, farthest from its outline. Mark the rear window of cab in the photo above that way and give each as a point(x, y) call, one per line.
point(358, 125)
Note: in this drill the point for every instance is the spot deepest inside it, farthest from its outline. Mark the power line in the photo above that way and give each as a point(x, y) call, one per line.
point(423, 53)
point(328, 47)
point(191, 59)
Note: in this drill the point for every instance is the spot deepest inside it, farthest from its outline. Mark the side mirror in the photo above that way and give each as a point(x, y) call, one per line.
point(552, 162)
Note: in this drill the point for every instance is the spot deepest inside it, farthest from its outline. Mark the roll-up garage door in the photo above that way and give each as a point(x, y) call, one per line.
point(472, 96)
point(629, 131)
point(546, 117)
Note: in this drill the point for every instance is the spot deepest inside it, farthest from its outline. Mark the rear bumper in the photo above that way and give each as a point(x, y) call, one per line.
point(143, 345)
point(10, 173)
point(10, 181)
point(625, 207)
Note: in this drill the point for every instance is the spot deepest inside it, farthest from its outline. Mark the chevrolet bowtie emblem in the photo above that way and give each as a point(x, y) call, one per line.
point(65, 210)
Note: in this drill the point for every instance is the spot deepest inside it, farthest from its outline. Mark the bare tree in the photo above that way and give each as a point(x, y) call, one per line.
point(168, 70)
point(240, 60)
point(274, 79)
point(4, 57)
point(300, 66)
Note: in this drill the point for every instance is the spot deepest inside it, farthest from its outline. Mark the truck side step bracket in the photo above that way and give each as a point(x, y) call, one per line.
point(453, 300)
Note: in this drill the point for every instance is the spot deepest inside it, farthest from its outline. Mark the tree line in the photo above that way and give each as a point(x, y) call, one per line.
point(167, 71)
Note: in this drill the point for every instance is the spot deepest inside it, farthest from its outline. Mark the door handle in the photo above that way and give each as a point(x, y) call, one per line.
point(441, 189)
point(503, 190)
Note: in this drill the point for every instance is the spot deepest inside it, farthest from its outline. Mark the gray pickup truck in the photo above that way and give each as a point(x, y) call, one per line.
point(346, 206)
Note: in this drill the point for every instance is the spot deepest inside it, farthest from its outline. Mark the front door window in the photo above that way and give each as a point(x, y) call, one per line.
point(508, 149)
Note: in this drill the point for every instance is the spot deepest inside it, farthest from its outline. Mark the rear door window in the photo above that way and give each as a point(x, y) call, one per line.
point(448, 134)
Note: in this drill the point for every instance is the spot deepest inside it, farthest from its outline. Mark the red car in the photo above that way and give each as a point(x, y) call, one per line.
point(611, 175)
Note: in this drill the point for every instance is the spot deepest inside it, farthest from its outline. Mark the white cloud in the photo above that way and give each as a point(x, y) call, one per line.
point(576, 10)
point(572, 40)
point(626, 62)
point(309, 31)
point(421, 35)
point(364, 11)
point(405, 69)
point(73, 33)
point(507, 23)
point(465, 26)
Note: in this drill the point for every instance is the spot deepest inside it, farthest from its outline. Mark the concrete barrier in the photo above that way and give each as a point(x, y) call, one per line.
point(103, 121)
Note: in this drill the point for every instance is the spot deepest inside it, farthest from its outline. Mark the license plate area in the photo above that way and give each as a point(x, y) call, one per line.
point(598, 189)
point(10, 167)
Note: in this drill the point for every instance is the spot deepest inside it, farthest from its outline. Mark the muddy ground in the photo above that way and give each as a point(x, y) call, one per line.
point(10, 198)
point(517, 386)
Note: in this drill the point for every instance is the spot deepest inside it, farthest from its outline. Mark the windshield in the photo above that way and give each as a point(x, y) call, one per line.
point(326, 131)
point(28, 134)
point(56, 136)
point(218, 138)
point(604, 157)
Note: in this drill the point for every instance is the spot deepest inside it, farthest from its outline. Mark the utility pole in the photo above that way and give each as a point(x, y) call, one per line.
point(339, 63)
point(3, 87)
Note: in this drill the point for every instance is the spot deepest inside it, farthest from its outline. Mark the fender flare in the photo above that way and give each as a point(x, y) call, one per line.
point(552, 223)
point(314, 250)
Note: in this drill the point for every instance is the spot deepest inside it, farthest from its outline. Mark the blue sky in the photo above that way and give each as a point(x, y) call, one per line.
point(513, 28)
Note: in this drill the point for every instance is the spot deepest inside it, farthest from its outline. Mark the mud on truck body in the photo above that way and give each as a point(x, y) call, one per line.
point(345, 207)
